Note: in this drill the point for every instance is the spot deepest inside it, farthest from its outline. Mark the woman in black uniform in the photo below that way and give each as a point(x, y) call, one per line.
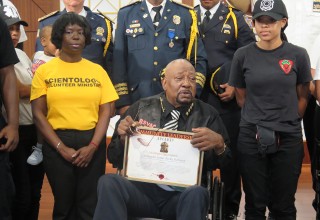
point(271, 78)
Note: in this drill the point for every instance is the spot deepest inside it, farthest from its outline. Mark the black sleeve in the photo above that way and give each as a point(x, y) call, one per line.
point(304, 67)
point(8, 54)
point(236, 78)
point(115, 149)
point(211, 160)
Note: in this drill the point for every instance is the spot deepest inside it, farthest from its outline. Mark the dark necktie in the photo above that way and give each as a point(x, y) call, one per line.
point(206, 20)
point(157, 17)
point(173, 123)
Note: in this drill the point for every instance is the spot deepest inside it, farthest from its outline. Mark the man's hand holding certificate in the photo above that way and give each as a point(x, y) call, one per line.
point(163, 156)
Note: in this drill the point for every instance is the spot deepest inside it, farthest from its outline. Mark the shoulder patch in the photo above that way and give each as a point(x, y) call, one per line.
point(183, 5)
point(105, 16)
point(48, 15)
point(133, 3)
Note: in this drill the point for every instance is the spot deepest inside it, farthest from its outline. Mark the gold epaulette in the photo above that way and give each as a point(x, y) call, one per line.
point(132, 3)
point(48, 15)
point(105, 16)
point(183, 5)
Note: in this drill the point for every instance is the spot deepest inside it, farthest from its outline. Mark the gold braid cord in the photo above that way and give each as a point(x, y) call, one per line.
point(193, 36)
point(211, 81)
point(106, 46)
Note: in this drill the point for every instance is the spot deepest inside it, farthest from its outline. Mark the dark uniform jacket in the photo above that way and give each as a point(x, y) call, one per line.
point(221, 39)
point(141, 52)
point(149, 111)
point(100, 49)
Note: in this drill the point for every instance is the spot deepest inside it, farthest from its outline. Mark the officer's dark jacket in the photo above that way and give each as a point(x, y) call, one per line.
point(141, 52)
point(221, 40)
point(150, 110)
point(100, 34)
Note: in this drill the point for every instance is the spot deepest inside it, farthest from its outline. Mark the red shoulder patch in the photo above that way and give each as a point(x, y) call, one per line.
point(286, 65)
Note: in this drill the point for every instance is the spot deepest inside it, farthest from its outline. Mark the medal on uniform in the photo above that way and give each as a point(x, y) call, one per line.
point(145, 15)
point(226, 26)
point(176, 19)
point(171, 35)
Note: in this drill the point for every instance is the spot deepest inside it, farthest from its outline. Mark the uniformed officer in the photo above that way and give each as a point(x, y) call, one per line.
point(150, 34)
point(224, 30)
point(100, 49)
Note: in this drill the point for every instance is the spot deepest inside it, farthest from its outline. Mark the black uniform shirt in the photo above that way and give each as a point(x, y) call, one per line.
point(270, 78)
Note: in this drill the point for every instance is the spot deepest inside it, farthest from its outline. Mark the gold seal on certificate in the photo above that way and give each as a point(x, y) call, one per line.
point(162, 157)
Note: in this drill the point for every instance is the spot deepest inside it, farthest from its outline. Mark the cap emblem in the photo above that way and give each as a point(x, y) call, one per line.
point(266, 5)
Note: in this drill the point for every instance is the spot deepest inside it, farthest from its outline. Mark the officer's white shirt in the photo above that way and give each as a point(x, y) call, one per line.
point(82, 13)
point(213, 10)
point(152, 12)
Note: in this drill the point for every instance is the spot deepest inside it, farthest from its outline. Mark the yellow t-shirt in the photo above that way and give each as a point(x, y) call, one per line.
point(73, 91)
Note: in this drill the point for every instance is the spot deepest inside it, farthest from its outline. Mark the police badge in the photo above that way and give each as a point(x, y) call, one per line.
point(176, 19)
point(99, 31)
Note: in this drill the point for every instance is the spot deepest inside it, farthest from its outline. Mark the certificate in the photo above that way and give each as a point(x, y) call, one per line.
point(162, 157)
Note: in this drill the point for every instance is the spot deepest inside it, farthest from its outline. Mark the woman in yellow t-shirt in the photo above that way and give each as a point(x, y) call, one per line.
point(71, 98)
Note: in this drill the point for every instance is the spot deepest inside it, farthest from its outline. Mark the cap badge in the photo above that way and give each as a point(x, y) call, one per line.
point(266, 5)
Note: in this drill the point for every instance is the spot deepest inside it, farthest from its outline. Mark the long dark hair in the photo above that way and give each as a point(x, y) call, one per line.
point(282, 34)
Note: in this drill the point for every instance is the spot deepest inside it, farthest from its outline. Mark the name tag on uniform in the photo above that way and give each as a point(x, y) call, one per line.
point(135, 25)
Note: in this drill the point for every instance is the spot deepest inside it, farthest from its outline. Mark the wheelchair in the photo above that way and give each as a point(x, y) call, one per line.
point(216, 195)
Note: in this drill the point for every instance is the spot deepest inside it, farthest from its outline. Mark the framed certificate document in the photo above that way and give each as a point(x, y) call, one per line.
point(162, 157)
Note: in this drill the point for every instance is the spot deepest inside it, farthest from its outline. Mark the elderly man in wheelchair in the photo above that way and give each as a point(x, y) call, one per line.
point(178, 109)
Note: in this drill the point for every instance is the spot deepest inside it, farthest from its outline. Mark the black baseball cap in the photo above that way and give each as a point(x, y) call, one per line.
point(9, 17)
point(275, 9)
